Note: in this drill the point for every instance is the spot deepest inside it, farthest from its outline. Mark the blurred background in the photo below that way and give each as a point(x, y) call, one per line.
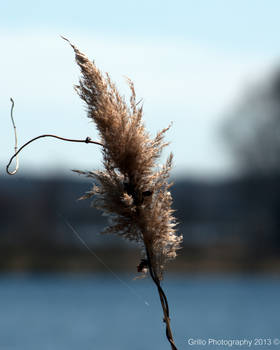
point(213, 69)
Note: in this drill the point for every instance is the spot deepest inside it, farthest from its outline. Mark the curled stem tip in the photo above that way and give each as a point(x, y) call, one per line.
point(16, 140)
point(17, 151)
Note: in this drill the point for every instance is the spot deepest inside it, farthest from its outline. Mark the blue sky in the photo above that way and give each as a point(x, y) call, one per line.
point(191, 61)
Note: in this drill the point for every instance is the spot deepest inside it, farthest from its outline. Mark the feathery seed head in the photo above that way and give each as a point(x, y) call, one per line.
point(130, 190)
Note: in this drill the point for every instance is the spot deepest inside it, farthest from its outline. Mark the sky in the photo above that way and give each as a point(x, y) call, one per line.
point(191, 62)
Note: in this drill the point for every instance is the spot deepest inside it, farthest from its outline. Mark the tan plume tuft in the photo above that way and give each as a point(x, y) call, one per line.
point(130, 190)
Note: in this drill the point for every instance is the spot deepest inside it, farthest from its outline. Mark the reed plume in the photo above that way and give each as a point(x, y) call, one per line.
point(132, 189)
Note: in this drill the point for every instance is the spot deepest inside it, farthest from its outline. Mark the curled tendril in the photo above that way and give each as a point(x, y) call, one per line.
point(16, 141)
point(17, 151)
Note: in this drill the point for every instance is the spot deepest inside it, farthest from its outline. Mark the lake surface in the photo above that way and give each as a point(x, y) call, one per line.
point(67, 312)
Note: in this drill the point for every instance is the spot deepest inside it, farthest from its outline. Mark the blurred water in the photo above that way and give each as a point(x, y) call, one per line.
point(45, 312)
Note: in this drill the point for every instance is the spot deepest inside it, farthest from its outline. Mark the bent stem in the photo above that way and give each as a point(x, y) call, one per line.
point(163, 300)
point(16, 140)
point(86, 140)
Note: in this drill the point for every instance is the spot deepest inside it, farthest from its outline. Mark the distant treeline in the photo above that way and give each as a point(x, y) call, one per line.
point(227, 225)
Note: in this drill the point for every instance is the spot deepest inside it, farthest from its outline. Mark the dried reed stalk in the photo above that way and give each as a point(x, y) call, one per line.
point(130, 189)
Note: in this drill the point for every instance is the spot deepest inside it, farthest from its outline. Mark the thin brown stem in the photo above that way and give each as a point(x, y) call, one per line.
point(163, 300)
point(16, 140)
point(86, 140)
